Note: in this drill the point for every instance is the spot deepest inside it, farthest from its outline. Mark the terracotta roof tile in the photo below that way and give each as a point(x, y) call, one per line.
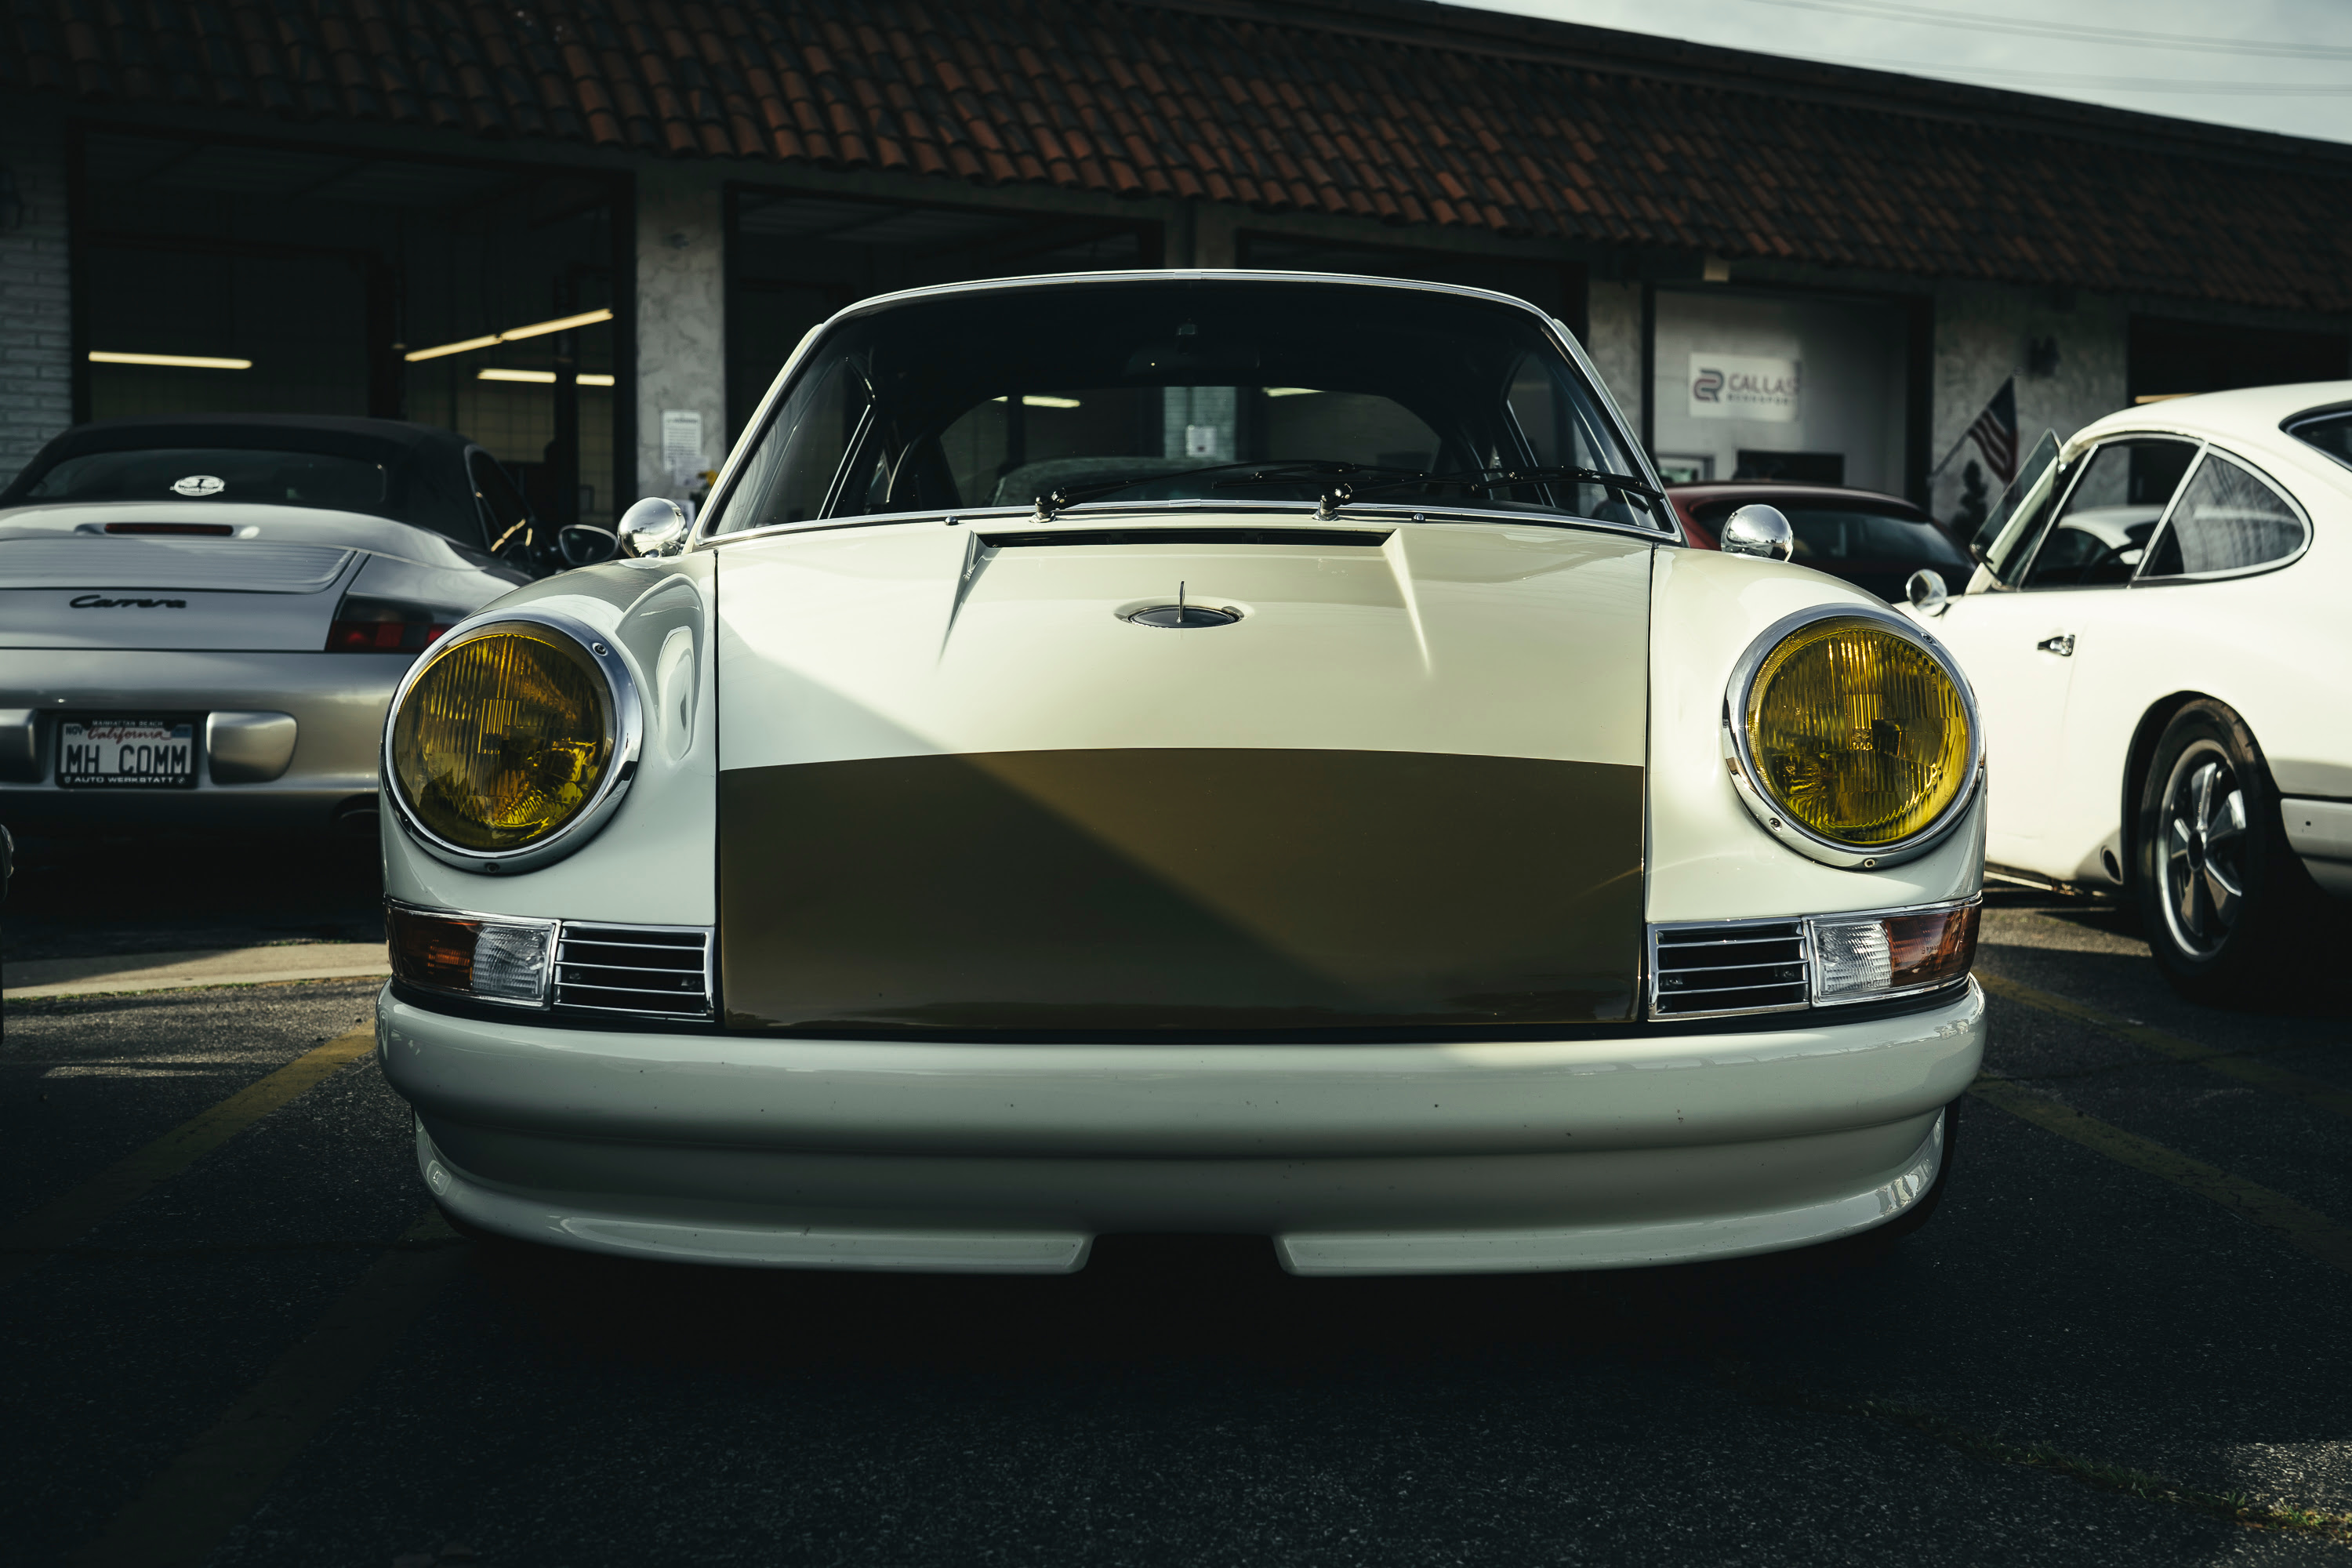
point(1378, 108)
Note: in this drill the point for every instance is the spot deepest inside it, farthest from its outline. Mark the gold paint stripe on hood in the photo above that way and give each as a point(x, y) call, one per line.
point(1180, 890)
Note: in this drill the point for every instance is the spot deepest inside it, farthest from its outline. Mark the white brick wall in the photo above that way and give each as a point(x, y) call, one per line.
point(35, 346)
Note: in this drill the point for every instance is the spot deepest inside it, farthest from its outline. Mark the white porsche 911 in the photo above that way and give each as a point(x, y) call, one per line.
point(1185, 752)
point(2156, 638)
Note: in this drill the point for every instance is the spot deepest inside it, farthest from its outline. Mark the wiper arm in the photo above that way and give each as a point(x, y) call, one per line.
point(1353, 479)
point(1067, 496)
point(1475, 480)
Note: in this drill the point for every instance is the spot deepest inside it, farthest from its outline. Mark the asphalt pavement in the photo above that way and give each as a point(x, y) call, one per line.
point(2124, 1337)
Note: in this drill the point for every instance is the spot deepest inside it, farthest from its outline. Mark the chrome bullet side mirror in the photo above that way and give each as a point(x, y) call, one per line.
point(1926, 592)
point(654, 526)
point(1758, 529)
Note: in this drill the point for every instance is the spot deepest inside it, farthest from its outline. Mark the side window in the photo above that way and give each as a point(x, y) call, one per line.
point(802, 453)
point(2227, 520)
point(506, 520)
point(2103, 528)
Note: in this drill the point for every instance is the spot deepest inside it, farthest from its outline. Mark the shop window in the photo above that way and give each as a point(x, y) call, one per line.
point(1810, 388)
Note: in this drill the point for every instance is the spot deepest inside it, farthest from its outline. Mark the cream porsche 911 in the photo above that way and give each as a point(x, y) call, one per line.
point(1209, 751)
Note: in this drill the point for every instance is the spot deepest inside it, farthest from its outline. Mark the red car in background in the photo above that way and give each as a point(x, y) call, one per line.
point(1874, 541)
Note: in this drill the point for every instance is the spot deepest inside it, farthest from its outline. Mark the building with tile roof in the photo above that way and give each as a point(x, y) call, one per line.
point(335, 189)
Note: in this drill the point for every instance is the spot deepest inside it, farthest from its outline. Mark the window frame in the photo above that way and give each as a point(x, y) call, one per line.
point(1668, 528)
point(2206, 449)
point(2081, 466)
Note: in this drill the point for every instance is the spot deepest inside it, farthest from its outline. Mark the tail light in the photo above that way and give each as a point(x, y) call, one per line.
point(364, 625)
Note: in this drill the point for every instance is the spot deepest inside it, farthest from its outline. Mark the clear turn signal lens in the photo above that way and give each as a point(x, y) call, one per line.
point(1858, 958)
point(464, 955)
point(503, 738)
point(1858, 733)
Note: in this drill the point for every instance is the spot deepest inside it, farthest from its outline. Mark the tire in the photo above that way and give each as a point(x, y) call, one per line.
point(2218, 890)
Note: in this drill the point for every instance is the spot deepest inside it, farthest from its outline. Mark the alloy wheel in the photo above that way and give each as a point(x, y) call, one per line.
point(2201, 850)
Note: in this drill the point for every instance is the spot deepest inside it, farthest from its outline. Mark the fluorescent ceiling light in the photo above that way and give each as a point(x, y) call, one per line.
point(1038, 400)
point(536, 330)
point(542, 378)
point(1292, 391)
point(561, 324)
point(453, 348)
point(186, 362)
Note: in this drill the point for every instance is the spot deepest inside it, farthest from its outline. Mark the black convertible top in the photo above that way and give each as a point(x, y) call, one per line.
point(427, 482)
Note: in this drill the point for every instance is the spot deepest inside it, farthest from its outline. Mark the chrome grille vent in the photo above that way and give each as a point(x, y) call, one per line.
point(653, 971)
point(1733, 966)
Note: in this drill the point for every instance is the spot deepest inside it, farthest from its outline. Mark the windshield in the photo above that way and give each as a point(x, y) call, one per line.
point(225, 474)
point(1234, 391)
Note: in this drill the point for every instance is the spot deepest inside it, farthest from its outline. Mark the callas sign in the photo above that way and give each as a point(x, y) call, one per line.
point(1744, 386)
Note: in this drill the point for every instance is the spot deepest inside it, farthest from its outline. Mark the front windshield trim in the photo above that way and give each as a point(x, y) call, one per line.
point(1386, 512)
point(722, 488)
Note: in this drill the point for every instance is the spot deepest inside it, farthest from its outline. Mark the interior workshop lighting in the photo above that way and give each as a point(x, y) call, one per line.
point(542, 377)
point(184, 362)
point(536, 330)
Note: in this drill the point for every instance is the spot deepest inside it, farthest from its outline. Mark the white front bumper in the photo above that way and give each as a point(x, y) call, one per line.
point(1355, 1158)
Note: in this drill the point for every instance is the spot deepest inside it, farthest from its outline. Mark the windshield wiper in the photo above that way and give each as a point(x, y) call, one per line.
point(1480, 480)
point(1353, 481)
point(1067, 496)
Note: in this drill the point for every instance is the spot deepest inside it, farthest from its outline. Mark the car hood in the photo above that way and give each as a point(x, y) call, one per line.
point(960, 792)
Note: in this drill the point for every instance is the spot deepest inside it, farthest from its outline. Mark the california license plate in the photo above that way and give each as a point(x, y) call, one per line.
point(144, 752)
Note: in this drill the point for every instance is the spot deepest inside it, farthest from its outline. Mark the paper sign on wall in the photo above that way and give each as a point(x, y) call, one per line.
point(681, 443)
point(1744, 386)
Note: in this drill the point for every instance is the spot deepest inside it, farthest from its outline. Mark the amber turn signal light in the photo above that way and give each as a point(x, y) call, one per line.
point(466, 955)
point(1859, 958)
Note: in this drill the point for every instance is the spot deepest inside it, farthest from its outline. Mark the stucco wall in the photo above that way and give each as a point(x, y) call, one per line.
point(35, 336)
point(1612, 336)
point(1983, 334)
point(681, 320)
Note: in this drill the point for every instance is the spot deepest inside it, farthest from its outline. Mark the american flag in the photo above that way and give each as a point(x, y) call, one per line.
point(1995, 432)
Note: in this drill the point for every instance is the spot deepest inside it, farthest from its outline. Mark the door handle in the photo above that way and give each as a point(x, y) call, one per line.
point(2063, 644)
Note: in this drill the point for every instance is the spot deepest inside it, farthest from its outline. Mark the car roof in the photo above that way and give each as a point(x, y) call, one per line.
point(324, 433)
point(2248, 416)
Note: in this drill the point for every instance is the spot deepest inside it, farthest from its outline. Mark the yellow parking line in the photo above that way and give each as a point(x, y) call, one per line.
point(58, 1222)
point(2300, 1227)
point(183, 1515)
point(2262, 1075)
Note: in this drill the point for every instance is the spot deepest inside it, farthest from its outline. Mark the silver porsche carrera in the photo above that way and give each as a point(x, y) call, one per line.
point(203, 617)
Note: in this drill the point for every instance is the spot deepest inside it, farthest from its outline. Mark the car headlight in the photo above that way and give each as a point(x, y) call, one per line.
point(1852, 736)
point(511, 740)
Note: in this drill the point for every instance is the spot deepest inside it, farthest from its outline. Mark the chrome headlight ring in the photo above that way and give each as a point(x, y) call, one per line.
point(1776, 821)
point(628, 742)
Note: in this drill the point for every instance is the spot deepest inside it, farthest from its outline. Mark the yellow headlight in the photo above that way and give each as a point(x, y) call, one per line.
point(1857, 733)
point(503, 739)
